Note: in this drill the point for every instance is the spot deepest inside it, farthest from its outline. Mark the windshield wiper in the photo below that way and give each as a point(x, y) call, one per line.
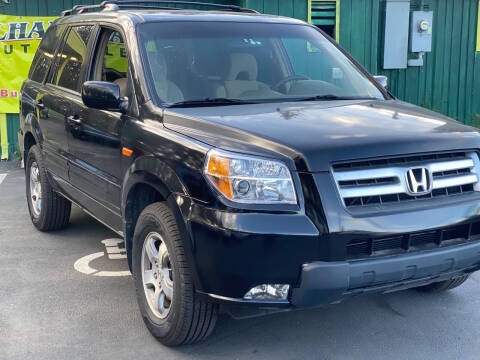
point(209, 102)
point(335, 97)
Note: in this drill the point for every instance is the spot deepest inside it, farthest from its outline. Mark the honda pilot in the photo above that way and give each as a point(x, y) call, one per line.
point(247, 161)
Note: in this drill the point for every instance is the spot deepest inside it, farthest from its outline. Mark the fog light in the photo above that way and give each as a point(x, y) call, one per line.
point(278, 292)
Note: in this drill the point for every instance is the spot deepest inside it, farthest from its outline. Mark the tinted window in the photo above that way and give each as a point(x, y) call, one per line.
point(44, 56)
point(69, 62)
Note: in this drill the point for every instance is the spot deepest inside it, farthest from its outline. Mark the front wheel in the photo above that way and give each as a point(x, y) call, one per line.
point(165, 292)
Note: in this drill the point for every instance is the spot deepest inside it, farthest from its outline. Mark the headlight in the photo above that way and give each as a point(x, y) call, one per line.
point(250, 180)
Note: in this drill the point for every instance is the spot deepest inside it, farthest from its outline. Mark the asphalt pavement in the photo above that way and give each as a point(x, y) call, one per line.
point(67, 295)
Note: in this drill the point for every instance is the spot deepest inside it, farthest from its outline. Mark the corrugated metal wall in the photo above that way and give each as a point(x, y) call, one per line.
point(292, 8)
point(40, 7)
point(447, 82)
point(359, 30)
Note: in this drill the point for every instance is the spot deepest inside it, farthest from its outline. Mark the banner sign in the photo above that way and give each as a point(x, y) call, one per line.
point(19, 40)
point(116, 55)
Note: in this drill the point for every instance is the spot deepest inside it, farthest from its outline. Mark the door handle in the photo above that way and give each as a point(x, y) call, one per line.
point(74, 120)
point(75, 124)
point(43, 111)
point(40, 105)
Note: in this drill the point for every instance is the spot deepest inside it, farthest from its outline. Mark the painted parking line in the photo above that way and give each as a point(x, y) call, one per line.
point(2, 177)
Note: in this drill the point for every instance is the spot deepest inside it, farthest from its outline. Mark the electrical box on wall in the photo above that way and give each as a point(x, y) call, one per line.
point(397, 16)
point(421, 31)
point(420, 36)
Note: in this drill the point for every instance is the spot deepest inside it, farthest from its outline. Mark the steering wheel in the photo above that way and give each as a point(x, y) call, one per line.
point(288, 79)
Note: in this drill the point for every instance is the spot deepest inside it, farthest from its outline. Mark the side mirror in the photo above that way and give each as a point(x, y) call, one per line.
point(103, 95)
point(382, 80)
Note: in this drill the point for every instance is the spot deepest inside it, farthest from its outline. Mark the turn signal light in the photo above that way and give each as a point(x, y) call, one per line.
point(218, 172)
point(127, 152)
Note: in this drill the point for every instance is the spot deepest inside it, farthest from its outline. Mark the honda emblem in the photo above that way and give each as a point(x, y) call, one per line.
point(419, 181)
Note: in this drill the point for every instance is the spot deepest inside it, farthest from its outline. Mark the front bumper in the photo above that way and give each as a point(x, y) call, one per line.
point(236, 251)
point(330, 282)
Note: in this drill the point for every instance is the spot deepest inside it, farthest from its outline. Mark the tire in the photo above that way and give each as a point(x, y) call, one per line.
point(48, 210)
point(444, 285)
point(184, 318)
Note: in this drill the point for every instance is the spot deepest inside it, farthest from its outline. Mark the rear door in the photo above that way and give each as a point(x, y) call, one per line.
point(53, 135)
point(62, 93)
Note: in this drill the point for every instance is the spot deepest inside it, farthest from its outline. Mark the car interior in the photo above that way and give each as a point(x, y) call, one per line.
point(114, 64)
point(212, 72)
point(242, 68)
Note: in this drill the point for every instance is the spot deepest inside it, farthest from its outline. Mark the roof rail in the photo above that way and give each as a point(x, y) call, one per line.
point(79, 9)
point(114, 5)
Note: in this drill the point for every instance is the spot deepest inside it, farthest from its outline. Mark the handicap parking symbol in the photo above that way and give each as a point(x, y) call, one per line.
point(113, 251)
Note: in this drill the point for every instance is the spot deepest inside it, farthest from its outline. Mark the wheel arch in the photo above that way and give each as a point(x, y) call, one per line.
point(150, 180)
point(32, 133)
point(28, 141)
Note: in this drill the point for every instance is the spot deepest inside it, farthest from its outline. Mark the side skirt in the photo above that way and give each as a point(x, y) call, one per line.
point(92, 207)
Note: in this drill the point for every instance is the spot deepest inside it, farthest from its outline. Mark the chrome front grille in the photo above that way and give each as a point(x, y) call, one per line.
point(384, 181)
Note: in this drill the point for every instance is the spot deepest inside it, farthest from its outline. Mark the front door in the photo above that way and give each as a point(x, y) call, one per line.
point(94, 140)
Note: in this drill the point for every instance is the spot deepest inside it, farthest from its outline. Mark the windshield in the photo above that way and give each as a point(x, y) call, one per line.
point(247, 62)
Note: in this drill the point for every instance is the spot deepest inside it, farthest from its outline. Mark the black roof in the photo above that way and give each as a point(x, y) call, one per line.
point(156, 13)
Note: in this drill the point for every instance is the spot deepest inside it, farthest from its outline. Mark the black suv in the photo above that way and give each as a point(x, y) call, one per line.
point(245, 159)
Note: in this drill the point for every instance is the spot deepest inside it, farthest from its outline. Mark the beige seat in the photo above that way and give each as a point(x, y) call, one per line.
point(214, 88)
point(166, 90)
point(242, 76)
point(207, 78)
point(122, 84)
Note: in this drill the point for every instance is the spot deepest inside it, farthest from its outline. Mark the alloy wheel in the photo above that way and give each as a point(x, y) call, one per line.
point(157, 275)
point(35, 189)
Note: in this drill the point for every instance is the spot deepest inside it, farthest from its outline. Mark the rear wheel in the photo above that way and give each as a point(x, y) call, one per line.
point(48, 210)
point(444, 285)
point(165, 292)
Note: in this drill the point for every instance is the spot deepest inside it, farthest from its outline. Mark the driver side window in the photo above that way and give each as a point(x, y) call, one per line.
point(111, 61)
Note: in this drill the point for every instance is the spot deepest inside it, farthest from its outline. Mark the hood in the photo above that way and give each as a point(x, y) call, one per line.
point(315, 134)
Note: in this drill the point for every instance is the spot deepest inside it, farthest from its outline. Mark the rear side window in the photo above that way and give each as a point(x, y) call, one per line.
point(70, 60)
point(43, 58)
